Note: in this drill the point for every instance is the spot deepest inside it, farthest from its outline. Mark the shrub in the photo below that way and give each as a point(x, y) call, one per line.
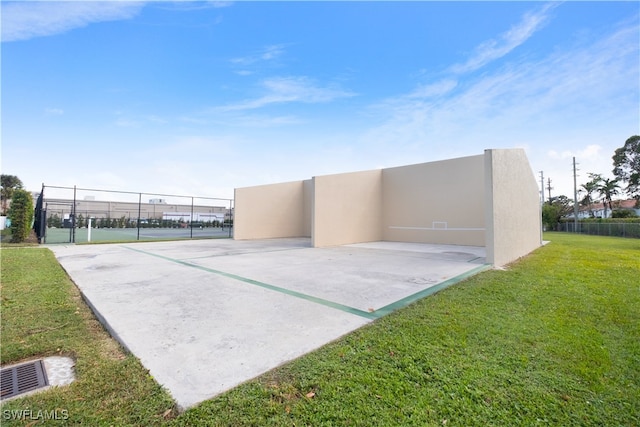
point(54, 221)
point(623, 213)
point(21, 214)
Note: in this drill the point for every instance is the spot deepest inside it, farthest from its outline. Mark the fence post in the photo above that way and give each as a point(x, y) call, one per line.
point(230, 216)
point(139, 212)
point(191, 222)
point(46, 207)
point(73, 217)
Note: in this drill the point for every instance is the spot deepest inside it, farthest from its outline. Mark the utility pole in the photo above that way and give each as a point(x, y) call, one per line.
point(541, 205)
point(575, 198)
point(549, 187)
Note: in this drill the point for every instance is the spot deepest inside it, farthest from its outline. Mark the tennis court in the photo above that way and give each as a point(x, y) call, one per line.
point(79, 215)
point(63, 235)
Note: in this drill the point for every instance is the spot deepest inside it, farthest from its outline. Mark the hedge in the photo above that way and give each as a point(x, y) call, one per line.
point(21, 214)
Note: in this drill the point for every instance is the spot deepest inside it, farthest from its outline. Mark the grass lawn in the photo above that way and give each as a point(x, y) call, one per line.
point(43, 315)
point(552, 340)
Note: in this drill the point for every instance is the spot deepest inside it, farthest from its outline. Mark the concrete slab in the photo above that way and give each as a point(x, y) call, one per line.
point(204, 316)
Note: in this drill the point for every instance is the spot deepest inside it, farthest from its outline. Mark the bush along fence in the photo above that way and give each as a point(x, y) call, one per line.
point(617, 227)
point(21, 214)
point(76, 215)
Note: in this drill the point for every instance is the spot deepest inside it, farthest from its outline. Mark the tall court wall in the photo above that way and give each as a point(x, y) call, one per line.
point(512, 208)
point(273, 211)
point(347, 208)
point(437, 202)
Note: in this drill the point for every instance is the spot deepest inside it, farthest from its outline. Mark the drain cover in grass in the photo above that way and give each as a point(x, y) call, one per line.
point(22, 378)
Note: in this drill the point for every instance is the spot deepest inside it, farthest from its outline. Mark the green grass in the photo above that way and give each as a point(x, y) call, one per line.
point(43, 315)
point(552, 340)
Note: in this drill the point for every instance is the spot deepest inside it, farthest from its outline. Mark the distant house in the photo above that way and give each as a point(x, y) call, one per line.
point(597, 210)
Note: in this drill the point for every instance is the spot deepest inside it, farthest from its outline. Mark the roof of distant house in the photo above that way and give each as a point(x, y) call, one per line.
point(617, 204)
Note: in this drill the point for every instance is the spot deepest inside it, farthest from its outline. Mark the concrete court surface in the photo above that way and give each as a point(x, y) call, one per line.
point(206, 315)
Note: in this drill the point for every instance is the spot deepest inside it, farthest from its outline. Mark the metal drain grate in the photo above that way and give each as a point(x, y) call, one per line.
point(22, 378)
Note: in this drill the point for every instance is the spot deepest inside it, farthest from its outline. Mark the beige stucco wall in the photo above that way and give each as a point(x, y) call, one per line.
point(512, 206)
point(347, 208)
point(271, 211)
point(307, 207)
point(487, 200)
point(435, 202)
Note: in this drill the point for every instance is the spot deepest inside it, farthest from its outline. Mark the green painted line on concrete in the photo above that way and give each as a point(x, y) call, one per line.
point(429, 291)
point(246, 253)
point(326, 303)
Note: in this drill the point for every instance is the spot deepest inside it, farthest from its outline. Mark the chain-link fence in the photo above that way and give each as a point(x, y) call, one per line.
point(622, 229)
point(76, 215)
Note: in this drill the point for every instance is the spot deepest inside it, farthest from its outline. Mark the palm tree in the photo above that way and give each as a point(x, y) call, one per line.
point(589, 188)
point(607, 189)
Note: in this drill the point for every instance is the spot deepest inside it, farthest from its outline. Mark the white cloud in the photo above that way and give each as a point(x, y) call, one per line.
point(434, 89)
point(290, 89)
point(151, 118)
point(126, 123)
point(53, 111)
point(268, 53)
point(190, 5)
point(263, 121)
point(581, 102)
point(272, 52)
point(593, 85)
point(29, 19)
point(493, 49)
point(589, 152)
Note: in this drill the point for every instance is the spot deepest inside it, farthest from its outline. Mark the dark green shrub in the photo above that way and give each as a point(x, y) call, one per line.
point(21, 214)
point(54, 221)
point(623, 213)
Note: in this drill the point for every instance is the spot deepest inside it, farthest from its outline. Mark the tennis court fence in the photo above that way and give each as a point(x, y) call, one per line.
point(76, 215)
point(615, 229)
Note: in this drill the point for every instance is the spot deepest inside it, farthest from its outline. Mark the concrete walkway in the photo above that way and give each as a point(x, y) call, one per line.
point(206, 315)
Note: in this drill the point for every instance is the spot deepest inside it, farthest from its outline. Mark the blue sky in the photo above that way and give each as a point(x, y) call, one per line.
point(201, 97)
